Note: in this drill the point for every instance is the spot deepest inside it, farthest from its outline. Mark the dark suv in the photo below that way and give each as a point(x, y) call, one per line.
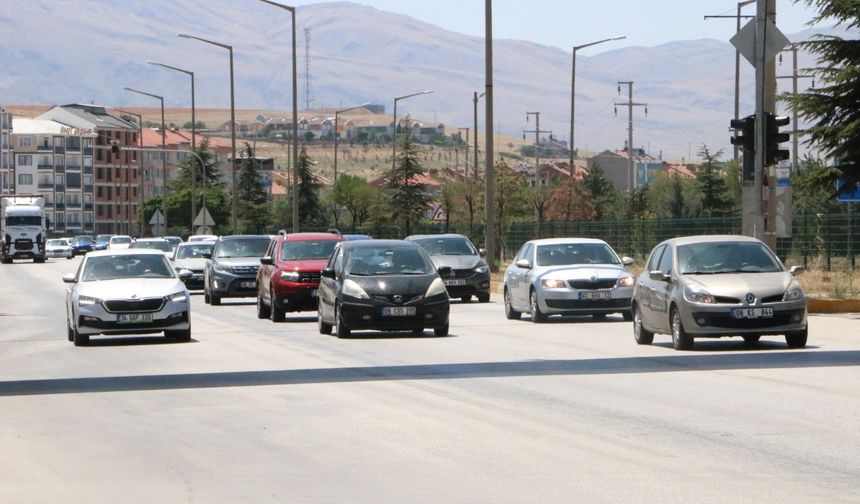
point(231, 268)
point(290, 273)
point(469, 274)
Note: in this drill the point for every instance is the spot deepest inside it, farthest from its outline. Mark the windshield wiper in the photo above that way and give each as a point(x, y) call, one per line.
point(702, 272)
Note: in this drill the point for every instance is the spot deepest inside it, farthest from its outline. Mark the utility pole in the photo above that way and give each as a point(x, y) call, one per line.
point(738, 17)
point(475, 103)
point(631, 173)
point(490, 172)
point(794, 76)
point(537, 131)
point(466, 165)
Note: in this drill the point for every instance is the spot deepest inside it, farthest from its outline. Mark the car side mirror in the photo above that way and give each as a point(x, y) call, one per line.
point(327, 273)
point(267, 260)
point(207, 255)
point(482, 252)
point(69, 278)
point(659, 276)
point(444, 270)
point(627, 261)
point(185, 274)
point(523, 263)
point(797, 270)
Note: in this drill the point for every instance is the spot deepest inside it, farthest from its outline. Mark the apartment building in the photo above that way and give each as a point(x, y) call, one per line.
point(56, 161)
point(7, 184)
point(117, 194)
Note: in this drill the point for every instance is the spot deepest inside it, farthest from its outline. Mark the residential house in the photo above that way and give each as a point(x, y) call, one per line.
point(615, 167)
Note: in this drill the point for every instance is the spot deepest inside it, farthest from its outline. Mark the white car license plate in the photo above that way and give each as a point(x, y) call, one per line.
point(248, 285)
point(134, 318)
point(313, 293)
point(398, 311)
point(752, 313)
point(454, 281)
point(594, 296)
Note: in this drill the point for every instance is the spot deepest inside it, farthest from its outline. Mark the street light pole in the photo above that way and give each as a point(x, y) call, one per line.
point(489, 181)
point(139, 168)
point(229, 48)
point(573, 94)
point(295, 118)
point(193, 138)
point(163, 157)
point(394, 131)
point(336, 135)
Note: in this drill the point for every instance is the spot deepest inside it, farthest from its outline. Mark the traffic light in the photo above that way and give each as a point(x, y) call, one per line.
point(773, 138)
point(745, 139)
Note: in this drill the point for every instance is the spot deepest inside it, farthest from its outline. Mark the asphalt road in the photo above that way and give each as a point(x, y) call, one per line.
point(499, 411)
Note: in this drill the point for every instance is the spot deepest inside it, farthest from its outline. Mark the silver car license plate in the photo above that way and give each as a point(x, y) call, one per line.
point(398, 311)
point(594, 296)
point(454, 281)
point(752, 313)
point(134, 318)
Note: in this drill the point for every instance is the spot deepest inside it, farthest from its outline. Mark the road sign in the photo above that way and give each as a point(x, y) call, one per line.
point(204, 218)
point(157, 218)
point(774, 41)
point(849, 196)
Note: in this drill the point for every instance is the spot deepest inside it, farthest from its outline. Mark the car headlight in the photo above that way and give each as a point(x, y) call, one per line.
point(88, 301)
point(179, 297)
point(482, 269)
point(793, 293)
point(551, 283)
point(222, 268)
point(290, 276)
point(627, 281)
point(437, 287)
point(696, 294)
point(352, 289)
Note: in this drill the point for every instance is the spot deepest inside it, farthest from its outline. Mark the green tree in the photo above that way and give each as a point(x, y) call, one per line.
point(813, 187)
point(512, 202)
point(406, 195)
point(354, 194)
point(310, 210)
point(602, 192)
point(210, 175)
point(671, 196)
point(713, 191)
point(833, 106)
point(248, 188)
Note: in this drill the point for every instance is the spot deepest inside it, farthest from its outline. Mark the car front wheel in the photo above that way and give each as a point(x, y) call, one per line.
point(323, 327)
point(797, 339)
point(510, 313)
point(640, 334)
point(262, 308)
point(340, 329)
point(537, 316)
point(680, 339)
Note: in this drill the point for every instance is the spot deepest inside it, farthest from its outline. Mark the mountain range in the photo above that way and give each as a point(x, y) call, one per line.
point(64, 51)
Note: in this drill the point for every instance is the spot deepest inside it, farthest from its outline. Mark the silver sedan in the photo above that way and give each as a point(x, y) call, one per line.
point(127, 292)
point(567, 276)
point(713, 286)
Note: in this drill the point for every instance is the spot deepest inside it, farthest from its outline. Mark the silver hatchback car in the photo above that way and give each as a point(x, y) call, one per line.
point(714, 286)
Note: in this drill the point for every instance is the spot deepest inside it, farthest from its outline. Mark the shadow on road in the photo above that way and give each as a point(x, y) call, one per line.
point(111, 341)
point(624, 365)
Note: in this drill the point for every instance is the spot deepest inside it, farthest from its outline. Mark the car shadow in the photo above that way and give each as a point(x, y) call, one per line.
point(679, 362)
point(300, 320)
point(230, 302)
point(574, 319)
point(119, 341)
point(734, 344)
point(383, 335)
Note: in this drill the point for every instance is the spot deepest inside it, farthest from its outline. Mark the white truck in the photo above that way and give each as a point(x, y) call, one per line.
point(23, 229)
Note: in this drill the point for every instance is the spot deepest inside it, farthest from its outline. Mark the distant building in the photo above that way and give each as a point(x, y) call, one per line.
point(615, 167)
point(6, 163)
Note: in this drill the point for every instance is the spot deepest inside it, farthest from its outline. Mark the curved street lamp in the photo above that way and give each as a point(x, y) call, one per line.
point(336, 114)
point(394, 131)
point(163, 157)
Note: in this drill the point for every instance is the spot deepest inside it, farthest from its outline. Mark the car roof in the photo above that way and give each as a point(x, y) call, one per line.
point(123, 252)
point(563, 241)
point(121, 236)
point(151, 240)
point(243, 237)
point(309, 236)
point(377, 243)
point(195, 243)
point(686, 240)
point(443, 235)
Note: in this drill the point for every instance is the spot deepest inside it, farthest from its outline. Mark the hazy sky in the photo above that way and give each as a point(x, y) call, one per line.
point(564, 23)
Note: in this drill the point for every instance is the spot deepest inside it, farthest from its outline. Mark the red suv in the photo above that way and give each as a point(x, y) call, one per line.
point(289, 274)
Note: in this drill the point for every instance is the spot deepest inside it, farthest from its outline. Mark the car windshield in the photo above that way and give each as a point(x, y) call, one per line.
point(367, 261)
point(563, 254)
point(243, 247)
point(447, 246)
point(726, 257)
point(162, 245)
point(56, 243)
point(121, 239)
point(23, 220)
point(298, 250)
point(82, 239)
point(126, 266)
point(194, 251)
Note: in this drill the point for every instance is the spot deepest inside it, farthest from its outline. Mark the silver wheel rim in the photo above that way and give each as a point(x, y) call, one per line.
point(534, 304)
point(637, 324)
point(676, 326)
point(508, 300)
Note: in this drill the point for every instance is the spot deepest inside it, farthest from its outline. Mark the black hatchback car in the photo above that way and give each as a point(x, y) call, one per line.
point(387, 285)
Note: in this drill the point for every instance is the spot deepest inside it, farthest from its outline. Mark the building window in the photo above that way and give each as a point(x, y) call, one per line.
point(45, 180)
point(59, 161)
point(25, 179)
point(99, 192)
point(59, 217)
point(59, 179)
point(25, 141)
point(98, 154)
point(88, 180)
point(88, 217)
point(110, 211)
point(88, 198)
point(25, 160)
point(109, 193)
point(88, 162)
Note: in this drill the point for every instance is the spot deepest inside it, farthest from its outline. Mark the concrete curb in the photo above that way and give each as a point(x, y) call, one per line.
point(833, 305)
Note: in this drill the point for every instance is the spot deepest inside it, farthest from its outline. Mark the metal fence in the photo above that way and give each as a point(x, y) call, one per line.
point(819, 241)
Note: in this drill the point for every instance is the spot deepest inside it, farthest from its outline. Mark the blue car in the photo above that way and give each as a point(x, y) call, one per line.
point(82, 244)
point(102, 242)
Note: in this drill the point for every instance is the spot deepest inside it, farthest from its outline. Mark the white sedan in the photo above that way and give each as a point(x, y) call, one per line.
point(568, 276)
point(132, 291)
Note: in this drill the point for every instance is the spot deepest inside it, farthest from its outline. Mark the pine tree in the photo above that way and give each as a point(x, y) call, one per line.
point(310, 209)
point(407, 197)
point(210, 176)
point(248, 187)
point(833, 106)
point(602, 192)
point(713, 190)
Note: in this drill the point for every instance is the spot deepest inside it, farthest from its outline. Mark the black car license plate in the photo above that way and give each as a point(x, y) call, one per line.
point(594, 296)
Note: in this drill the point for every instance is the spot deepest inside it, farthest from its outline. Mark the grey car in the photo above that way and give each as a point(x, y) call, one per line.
point(567, 276)
point(469, 276)
point(231, 268)
point(714, 286)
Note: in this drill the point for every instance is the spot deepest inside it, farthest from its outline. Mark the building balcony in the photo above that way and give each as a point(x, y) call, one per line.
point(59, 150)
point(45, 185)
point(88, 207)
point(88, 188)
point(45, 167)
point(60, 206)
point(73, 206)
point(44, 147)
point(88, 170)
point(73, 167)
point(60, 187)
point(88, 151)
point(60, 169)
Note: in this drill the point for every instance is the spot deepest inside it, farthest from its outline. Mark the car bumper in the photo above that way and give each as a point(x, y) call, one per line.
point(569, 302)
point(95, 319)
point(58, 253)
point(457, 287)
point(229, 285)
point(295, 296)
point(195, 282)
point(361, 316)
point(717, 320)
